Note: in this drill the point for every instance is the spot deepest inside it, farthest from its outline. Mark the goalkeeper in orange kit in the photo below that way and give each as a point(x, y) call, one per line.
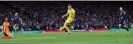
point(5, 30)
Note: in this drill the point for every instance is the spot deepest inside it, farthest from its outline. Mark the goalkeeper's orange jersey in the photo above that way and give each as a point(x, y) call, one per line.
point(6, 27)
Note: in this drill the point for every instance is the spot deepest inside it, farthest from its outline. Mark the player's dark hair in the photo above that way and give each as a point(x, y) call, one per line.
point(5, 19)
point(69, 5)
point(121, 7)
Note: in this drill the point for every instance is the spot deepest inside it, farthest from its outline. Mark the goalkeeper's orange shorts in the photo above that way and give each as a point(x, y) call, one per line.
point(7, 35)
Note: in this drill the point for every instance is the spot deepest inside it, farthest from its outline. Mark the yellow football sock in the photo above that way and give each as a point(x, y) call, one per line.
point(65, 26)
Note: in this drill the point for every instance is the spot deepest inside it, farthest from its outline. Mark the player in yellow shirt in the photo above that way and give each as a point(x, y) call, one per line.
point(71, 14)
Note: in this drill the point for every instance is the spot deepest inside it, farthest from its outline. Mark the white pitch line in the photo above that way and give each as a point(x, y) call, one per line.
point(33, 38)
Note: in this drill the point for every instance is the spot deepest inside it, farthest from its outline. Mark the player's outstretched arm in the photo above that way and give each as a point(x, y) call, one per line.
point(65, 15)
point(4, 27)
point(20, 20)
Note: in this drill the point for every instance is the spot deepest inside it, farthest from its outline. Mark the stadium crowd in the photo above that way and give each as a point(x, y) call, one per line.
point(47, 15)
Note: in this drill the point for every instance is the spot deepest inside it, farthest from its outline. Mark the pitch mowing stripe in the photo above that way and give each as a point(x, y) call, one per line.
point(10, 42)
point(25, 39)
point(34, 38)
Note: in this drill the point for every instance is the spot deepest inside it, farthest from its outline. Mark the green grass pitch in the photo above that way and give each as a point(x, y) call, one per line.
point(74, 38)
